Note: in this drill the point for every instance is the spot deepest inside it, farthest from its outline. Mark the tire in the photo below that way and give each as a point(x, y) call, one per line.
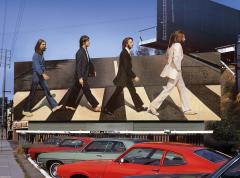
point(52, 168)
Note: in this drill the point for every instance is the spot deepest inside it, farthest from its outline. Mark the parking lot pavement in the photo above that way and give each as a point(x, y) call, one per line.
point(9, 168)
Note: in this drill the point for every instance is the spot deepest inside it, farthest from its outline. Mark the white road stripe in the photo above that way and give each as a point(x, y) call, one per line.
point(42, 171)
point(42, 107)
point(131, 113)
point(19, 97)
point(115, 67)
point(84, 112)
point(215, 88)
point(204, 113)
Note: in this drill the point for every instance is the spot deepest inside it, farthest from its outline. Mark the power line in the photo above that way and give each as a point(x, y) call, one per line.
point(4, 24)
point(18, 25)
point(99, 22)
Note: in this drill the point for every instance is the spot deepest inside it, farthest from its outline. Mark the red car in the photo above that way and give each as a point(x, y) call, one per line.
point(68, 143)
point(149, 158)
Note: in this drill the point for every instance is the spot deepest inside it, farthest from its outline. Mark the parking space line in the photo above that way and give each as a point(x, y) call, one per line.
point(42, 171)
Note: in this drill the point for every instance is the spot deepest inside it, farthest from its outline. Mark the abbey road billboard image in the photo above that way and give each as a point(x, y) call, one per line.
point(202, 91)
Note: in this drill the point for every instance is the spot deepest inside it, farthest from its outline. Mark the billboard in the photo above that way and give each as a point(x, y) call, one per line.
point(202, 83)
point(204, 28)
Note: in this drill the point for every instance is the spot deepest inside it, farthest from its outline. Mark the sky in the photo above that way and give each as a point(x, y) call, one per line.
point(62, 22)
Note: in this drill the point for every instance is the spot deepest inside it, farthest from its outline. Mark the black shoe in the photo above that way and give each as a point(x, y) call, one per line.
point(106, 111)
point(141, 109)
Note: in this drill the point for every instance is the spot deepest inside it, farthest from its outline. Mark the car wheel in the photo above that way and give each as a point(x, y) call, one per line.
point(52, 169)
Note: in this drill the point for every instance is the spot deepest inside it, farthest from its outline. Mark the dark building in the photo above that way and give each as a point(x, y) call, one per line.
point(207, 24)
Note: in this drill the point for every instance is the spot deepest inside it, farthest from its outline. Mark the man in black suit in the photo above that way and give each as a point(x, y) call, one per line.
point(84, 69)
point(125, 78)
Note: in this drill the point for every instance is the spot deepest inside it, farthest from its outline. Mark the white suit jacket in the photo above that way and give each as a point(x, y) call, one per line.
point(175, 57)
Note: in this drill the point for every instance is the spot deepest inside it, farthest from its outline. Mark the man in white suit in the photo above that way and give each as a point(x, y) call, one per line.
point(173, 72)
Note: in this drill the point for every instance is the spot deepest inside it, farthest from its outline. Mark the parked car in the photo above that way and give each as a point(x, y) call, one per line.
point(52, 141)
point(68, 143)
point(230, 169)
point(100, 149)
point(149, 158)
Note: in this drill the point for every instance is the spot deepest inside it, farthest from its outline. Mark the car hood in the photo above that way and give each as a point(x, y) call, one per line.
point(58, 154)
point(61, 155)
point(37, 145)
point(51, 149)
point(43, 149)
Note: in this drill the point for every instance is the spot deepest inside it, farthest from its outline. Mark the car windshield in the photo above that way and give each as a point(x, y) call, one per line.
point(71, 143)
point(105, 146)
point(211, 155)
point(52, 141)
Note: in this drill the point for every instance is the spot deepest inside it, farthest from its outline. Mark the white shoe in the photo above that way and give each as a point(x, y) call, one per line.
point(57, 108)
point(27, 114)
point(153, 111)
point(189, 112)
point(70, 108)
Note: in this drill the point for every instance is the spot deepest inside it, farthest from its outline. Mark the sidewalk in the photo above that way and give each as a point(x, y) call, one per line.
point(9, 168)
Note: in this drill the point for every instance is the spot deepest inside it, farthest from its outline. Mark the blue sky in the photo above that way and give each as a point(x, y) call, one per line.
point(62, 22)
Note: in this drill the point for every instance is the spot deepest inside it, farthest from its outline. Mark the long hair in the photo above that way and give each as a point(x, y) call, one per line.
point(125, 41)
point(83, 39)
point(38, 44)
point(174, 37)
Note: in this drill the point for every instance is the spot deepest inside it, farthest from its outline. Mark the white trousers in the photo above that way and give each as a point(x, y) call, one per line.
point(179, 83)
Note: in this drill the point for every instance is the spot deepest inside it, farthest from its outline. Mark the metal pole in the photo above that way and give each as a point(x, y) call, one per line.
point(3, 91)
point(238, 64)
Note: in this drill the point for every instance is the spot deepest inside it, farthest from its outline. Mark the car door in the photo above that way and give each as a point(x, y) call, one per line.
point(136, 162)
point(102, 150)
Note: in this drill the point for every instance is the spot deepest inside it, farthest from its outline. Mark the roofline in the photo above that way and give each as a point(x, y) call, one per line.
point(220, 4)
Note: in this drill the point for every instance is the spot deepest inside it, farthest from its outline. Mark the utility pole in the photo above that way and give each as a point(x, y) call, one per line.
point(5, 61)
point(238, 63)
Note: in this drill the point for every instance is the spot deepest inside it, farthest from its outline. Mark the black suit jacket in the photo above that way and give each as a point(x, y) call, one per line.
point(84, 68)
point(125, 74)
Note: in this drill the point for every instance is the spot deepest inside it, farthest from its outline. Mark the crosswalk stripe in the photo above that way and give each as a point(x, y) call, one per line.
point(42, 107)
point(215, 88)
point(131, 113)
point(84, 112)
point(19, 97)
point(115, 67)
point(204, 113)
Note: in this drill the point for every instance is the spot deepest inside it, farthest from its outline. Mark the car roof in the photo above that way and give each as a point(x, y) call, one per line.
point(170, 146)
point(121, 139)
point(77, 138)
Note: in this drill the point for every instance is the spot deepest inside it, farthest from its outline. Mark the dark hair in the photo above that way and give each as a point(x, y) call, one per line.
point(83, 39)
point(125, 41)
point(38, 44)
point(174, 37)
